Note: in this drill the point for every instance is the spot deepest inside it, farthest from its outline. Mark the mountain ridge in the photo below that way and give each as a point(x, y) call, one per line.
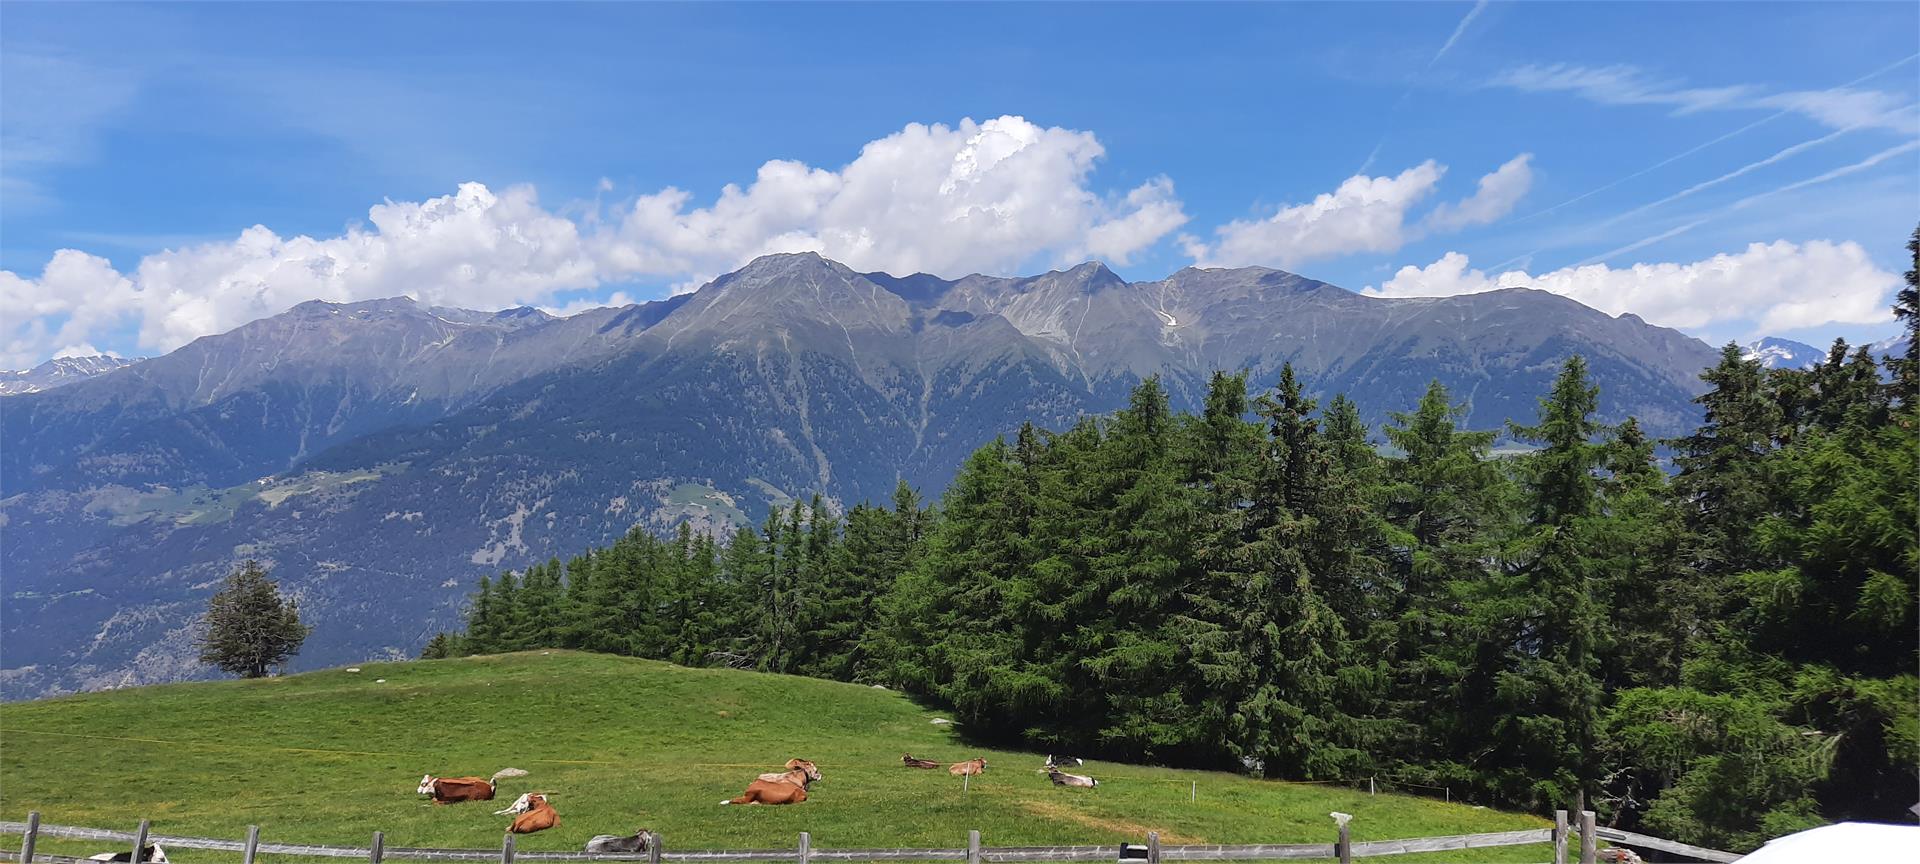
point(381, 455)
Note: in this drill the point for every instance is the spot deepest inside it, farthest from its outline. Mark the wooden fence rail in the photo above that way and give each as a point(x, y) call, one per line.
point(804, 853)
point(1628, 838)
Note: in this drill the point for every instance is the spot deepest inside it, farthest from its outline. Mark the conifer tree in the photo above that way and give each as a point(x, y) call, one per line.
point(249, 628)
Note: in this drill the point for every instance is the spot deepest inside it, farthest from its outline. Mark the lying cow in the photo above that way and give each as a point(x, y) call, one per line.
point(908, 760)
point(1063, 761)
point(800, 765)
point(971, 766)
point(788, 788)
point(452, 790)
point(153, 853)
point(1062, 778)
point(534, 814)
point(609, 844)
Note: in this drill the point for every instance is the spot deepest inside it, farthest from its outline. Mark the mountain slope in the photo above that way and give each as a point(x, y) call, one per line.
point(623, 744)
point(381, 456)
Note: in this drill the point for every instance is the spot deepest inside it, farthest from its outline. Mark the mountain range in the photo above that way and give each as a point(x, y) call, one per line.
point(58, 372)
point(1774, 352)
point(382, 455)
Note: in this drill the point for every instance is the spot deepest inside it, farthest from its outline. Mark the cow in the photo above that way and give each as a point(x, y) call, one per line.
point(1062, 778)
point(531, 813)
point(790, 788)
point(153, 854)
point(793, 765)
point(908, 760)
point(609, 844)
point(1063, 761)
point(971, 766)
point(452, 790)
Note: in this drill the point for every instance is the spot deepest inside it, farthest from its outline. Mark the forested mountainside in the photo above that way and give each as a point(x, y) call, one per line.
point(380, 455)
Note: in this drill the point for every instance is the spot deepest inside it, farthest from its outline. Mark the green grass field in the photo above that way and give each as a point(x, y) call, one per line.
point(329, 757)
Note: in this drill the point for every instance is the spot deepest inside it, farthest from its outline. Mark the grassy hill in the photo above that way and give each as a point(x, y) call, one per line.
point(329, 757)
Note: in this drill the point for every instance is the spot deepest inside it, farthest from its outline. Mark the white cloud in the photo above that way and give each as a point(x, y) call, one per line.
point(1364, 214)
point(974, 197)
point(1496, 197)
point(76, 296)
point(84, 349)
point(1837, 108)
point(1775, 286)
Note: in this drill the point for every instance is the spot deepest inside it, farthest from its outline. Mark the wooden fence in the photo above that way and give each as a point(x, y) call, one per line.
point(1584, 837)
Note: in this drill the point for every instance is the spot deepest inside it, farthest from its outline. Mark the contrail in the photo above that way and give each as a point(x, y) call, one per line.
point(1699, 147)
point(1835, 174)
point(1744, 169)
point(1637, 244)
point(1458, 31)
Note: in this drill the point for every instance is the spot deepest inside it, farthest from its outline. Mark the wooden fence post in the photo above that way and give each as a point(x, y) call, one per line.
point(506, 848)
point(653, 848)
point(806, 848)
point(253, 845)
point(379, 848)
point(1153, 847)
point(1589, 839)
point(139, 842)
point(26, 840)
point(973, 847)
point(1559, 837)
point(1345, 847)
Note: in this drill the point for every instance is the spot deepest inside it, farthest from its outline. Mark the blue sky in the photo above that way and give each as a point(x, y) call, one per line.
point(1398, 148)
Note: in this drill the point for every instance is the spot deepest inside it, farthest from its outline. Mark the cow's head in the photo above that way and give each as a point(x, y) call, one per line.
point(426, 784)
point(155, 854)
point(806, 767)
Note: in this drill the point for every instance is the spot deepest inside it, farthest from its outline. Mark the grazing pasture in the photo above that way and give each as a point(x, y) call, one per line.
point(621, 745)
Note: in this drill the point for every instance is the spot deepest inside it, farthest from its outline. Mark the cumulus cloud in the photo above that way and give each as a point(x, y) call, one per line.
point(76, 296)
point(973, 197)
point(1364, 214)
point(1776, 286)
point(1496, 197)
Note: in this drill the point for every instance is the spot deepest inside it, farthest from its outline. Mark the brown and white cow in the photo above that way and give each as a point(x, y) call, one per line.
point(452, 790)
point(793, 765)
point(971, 766)
point(782, 788)
point(533, 814)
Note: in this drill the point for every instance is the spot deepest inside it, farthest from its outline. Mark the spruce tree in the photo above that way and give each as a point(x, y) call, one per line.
point(249, 628)
point(1906, 308)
